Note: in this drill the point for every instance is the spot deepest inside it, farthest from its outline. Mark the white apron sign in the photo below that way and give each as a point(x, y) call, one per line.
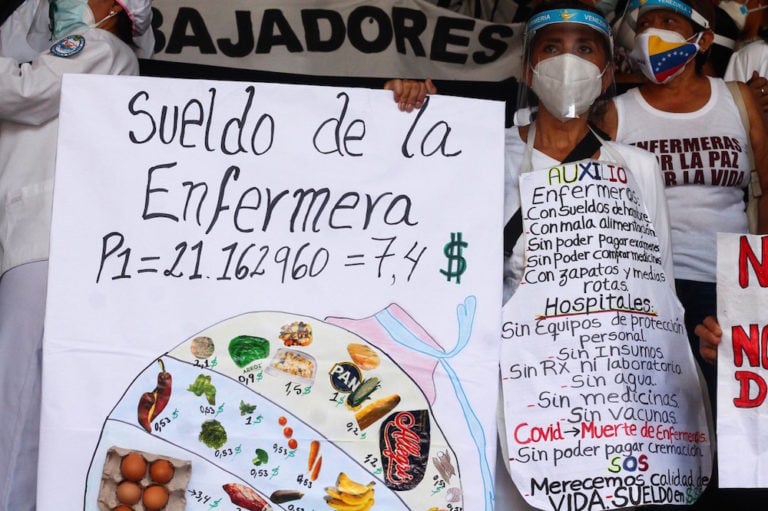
point(385, 39)
point(270, 297)
point(742, 359)
point(603, 409)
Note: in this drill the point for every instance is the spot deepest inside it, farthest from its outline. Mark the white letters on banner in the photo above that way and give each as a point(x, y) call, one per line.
point(603, 408)
point(282, 291)
point(742, 359)
point(389, 39)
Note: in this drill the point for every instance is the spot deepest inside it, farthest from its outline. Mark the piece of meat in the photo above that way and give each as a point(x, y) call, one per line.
point(246, 497)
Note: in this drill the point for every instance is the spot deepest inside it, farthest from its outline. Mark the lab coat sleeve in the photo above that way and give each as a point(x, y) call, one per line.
point(31, 91)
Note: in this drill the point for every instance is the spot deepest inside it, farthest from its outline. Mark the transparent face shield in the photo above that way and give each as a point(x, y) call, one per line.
point(626, 27)
point(567, 64)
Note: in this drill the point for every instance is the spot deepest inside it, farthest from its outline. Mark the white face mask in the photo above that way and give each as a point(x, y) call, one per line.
point(662, 54)
point(738, 12)
point(567, 85)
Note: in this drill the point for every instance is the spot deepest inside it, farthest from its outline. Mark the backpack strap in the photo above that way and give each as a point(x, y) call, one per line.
point(754, 180)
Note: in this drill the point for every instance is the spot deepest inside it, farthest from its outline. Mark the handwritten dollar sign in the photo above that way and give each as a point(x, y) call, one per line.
point(452, 251)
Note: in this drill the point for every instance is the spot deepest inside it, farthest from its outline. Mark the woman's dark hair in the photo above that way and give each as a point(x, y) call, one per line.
point(707, 9)
point(125, 28)
point(719, 54)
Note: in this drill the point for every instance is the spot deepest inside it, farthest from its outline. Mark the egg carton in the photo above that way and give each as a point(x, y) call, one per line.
point(112, 477)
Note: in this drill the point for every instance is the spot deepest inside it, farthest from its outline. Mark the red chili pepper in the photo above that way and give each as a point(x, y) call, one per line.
point(151, 404)
point(163, 389)
point(145, 405)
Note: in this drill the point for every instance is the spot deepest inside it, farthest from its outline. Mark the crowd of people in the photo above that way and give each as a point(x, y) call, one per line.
point(573, 67)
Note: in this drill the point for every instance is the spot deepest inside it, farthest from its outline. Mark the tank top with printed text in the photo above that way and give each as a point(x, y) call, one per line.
point(704, 164)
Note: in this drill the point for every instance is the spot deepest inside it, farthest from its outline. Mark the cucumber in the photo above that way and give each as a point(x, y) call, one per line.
point(361, 393)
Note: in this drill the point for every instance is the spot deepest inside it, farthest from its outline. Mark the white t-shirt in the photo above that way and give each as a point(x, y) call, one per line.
point(641, 163)
point(703, 156)
point(752, 57)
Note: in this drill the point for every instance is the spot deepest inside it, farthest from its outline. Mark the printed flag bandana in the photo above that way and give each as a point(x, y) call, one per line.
point(662, 58)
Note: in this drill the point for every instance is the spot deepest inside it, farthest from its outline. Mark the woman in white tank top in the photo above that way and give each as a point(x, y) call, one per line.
point(692, 124)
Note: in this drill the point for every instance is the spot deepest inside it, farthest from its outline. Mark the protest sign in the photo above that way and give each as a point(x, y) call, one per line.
point(742, 360)
point(389, 39)
point(603, 408)
point(282, 291)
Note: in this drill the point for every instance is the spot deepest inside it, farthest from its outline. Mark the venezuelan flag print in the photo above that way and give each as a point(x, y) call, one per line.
point(666, 58)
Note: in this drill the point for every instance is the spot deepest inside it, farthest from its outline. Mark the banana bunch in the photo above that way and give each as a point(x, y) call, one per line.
point(349, 495)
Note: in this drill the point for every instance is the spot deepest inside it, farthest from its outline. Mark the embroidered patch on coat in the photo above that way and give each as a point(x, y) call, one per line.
point(69, 46)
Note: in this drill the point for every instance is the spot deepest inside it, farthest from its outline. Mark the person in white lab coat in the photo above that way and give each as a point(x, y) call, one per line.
point(94, 36)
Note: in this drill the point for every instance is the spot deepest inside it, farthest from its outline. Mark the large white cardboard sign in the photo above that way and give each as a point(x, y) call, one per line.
point(603, 408)
point(283, 291)
point(742, 359)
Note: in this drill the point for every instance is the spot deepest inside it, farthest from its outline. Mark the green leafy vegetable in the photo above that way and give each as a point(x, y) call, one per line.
point(213, 434)
point(203, 385)
point(246, 408)
point(244, 349)
point(261, 457)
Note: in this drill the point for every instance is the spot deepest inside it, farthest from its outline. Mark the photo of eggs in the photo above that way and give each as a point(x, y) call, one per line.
point(143, 481)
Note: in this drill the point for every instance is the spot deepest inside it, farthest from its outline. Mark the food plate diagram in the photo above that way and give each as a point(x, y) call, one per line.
point(276, 410)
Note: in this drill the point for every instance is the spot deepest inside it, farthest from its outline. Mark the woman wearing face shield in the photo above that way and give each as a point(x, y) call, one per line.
point(691, 122)
point(96, 36)
point(568, 70)
point(693, 125)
